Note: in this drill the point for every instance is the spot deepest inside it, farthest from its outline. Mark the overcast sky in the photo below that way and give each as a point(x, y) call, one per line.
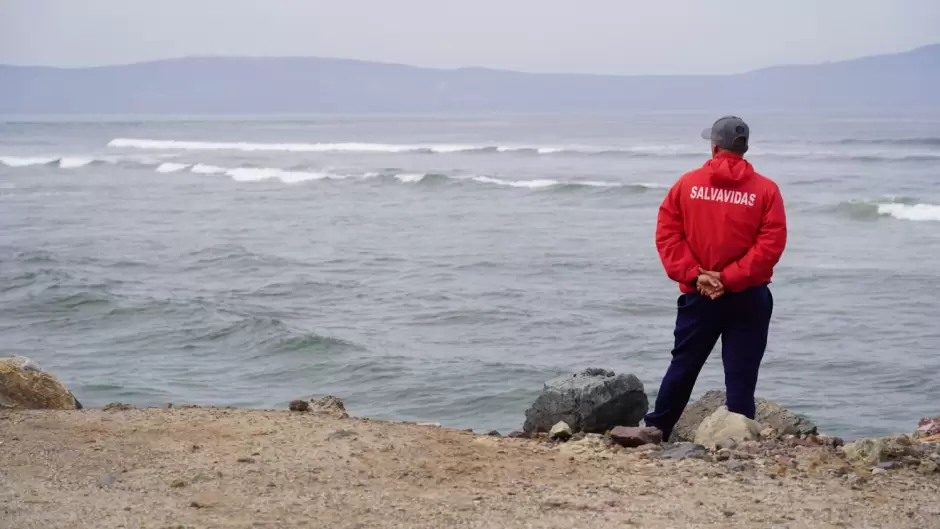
point(598, 36)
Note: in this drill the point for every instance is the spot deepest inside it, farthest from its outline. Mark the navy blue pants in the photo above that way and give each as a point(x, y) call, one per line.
point(741, 320)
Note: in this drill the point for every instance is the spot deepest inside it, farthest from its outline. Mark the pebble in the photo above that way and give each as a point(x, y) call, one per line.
point(682, 451)
point(723, 455)
point(106, 481)
point(560, 431)
point(245, 460)
point(495, 433)
point(736, 466)
point(178, 484)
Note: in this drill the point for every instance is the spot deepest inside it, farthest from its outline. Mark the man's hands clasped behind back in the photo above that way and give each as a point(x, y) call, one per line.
point(709, 284)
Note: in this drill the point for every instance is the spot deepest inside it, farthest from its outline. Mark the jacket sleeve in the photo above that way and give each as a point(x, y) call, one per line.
point(758, 263)
point(674, 251)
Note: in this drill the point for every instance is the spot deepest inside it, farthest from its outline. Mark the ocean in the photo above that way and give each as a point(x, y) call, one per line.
point(442, 268)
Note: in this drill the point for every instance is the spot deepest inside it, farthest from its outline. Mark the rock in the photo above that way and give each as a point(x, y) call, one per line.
point(928, 466)
point(516, 434)
point(329, 405)
point(106, 481)
point(768, 434)
point(24, 386)
point(769, 414)
point(633, 436)
point(683, 451)
point(870, 452)
point(736, 466)
point(723, 426)
point(245, 460)
point(728, 444)
point(877, 470)
point(560, 431)
point(928, 427)
point(299, 405)
point(178, 484)
point(888, 465)
point(594, 401)
point(494, 433)
point(118, 406)
point(723, 454)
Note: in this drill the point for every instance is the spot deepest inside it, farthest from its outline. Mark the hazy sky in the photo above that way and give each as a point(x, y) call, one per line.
point(600, 36)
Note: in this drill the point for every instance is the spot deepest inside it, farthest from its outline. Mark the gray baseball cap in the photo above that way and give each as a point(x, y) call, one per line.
point(726, 131)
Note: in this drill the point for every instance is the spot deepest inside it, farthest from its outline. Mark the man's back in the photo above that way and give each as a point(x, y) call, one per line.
point(720, 213)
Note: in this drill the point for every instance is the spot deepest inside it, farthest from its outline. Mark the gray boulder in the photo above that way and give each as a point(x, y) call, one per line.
point(769, 414)
point(593, 401)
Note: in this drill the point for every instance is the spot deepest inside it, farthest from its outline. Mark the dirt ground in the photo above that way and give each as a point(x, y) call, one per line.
point(227, 468)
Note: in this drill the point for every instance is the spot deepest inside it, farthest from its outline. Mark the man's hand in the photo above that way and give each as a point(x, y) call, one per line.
point(709, 284)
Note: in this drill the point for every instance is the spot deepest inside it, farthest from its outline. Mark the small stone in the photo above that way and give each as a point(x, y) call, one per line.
point(736, 466)
point(330, 405)
point(118, 406)
point(768, 433)
point(723, 455)
point(727, 444)
point(178, 484)
point(494, 433)
point(245, 460)
point(516, 434)
point(888, 465)
point(299, 405)
point(560, 431)
point(928, 466)
point(683, 451)
point(632, 436)
point(106, 481)
point(197, 505)
point(875, 471)
point(728, 514)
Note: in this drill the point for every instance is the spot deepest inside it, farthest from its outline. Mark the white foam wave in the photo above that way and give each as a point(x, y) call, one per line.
point(269, 173)
point(26, 161)
point(171, 167)
point(410, 178)
point(201, 168)
point(916, 212)
point(72, 163)
point(530, 184)
point(289, 147)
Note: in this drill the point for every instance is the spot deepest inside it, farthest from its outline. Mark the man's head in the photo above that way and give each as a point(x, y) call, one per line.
point(729, 133)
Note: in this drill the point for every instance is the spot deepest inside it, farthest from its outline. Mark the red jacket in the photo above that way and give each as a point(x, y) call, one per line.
point(722, 217)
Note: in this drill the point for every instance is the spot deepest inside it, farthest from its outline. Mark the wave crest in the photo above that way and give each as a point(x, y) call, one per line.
point(898, 208)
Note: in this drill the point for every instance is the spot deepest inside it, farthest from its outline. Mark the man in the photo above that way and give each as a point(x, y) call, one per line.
point(720, 232)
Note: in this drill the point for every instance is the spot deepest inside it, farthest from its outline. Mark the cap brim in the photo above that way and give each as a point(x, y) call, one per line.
point(707, 134)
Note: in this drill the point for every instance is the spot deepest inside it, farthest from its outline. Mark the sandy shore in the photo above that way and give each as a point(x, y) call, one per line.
point(208, 468)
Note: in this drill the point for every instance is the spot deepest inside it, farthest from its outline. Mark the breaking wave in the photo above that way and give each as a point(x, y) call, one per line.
point(171, 167)
point(898, 208)
point(387, 148)
point(921, 142)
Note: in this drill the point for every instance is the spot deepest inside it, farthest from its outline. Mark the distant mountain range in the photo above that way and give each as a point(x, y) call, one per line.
point(238, 85)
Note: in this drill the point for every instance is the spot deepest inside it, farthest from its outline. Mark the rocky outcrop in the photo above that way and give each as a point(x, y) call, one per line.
point(23, 385)
point(724, 428)
point(769, 414)
point(928, 429)
point(593, 401)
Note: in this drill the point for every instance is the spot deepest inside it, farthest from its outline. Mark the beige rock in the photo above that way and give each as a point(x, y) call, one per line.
point(329, 405)
point(23, 385)
point(927, 466)
point(561, 430)
point(870, 452)
point(723, 426)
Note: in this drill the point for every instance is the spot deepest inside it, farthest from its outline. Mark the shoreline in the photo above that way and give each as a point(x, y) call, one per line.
point(197, 467)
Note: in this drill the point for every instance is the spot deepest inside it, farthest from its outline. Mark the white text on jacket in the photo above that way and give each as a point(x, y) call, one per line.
point(723, 195)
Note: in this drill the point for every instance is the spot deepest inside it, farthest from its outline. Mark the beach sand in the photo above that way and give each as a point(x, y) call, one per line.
point(233, 468)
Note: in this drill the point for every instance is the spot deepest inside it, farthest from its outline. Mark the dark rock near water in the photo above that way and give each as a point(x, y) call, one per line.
point(633, 436)
point(769, 414)
point(516, 434)
point(299, 405)
point(495, 433)
point(593, 401)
